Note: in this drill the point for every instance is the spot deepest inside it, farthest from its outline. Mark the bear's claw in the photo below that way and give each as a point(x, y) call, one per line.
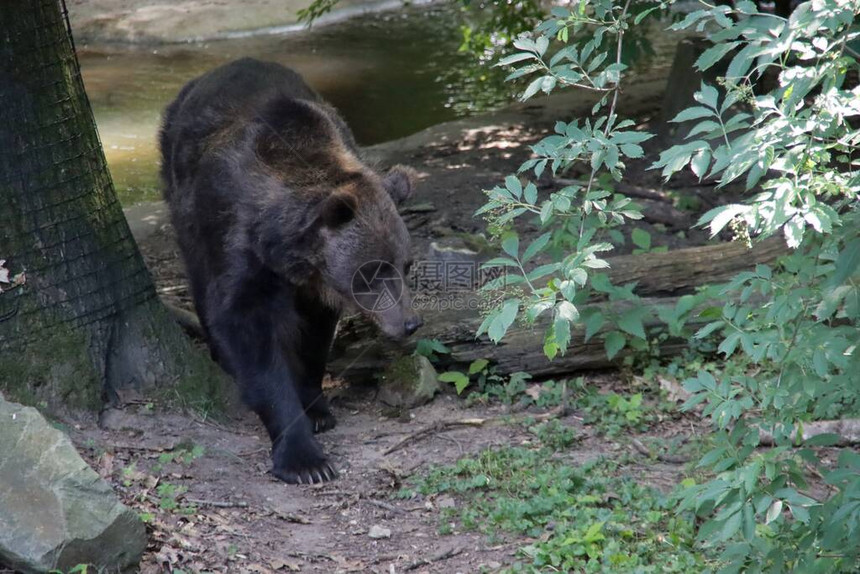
point(317, 475)
point(298, 458)
point(322, 421)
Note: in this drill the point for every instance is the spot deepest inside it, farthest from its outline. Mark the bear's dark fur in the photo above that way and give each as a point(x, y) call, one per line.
point(274, 213)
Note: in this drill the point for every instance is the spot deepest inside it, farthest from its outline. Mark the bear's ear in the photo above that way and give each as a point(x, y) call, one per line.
point(338, 209)
point(400, 183)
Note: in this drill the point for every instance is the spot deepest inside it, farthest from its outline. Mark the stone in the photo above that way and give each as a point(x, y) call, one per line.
point(377, 531)
point(409, 382)
point(55, 511)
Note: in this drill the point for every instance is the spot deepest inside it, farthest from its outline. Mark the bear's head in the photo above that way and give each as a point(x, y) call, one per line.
point(367, 251)
point(331, 222)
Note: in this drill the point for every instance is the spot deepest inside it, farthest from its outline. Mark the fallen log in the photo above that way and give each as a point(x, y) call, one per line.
point(681, 270)
point(360, 353)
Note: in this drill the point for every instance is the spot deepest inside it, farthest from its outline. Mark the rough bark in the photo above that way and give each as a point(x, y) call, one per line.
point(86, 320)
point(685, 80)
point(358, 352)
point(681, 270)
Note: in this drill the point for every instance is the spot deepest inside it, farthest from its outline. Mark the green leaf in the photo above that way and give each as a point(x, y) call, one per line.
point(514, 58)
point(532, 88)
point(708, 329)
point(701, 161)
point(567, 311)
point(632, 150)
point(613, 342)
point(693, 113)
point(536, 246)
point(500, 262)
point(793, 230)
point(641, 238)
point(631, 321)
point(643, 14)
point(478, 365)
point(593, 324)
point(503, 320)
point(846, 262)
point(530, 193)
point(731, 526)
point(714, 54)
point(546, 211)
point(511, 245)
point(773, 512)
point(513, 184)
point(561, 332)
point(719, 217)
point(460, 380)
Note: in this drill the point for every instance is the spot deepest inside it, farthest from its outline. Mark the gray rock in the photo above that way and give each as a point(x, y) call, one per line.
point(55, 511)
point(377, 531)
point(409, 382)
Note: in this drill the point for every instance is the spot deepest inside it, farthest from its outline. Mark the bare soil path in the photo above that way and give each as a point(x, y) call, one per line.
point(220, 510)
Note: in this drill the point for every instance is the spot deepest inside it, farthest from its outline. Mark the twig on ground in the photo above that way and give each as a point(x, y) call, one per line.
point(435, 428)
point(668, 458)
point(384, 505)
point(443, 555)
point(217, 503)
point(455, 441)
point(442, 426)
point(141, 448)
point(294, 518)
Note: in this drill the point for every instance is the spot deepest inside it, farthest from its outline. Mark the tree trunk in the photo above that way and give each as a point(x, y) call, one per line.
point(82, 320)
point(358, 353)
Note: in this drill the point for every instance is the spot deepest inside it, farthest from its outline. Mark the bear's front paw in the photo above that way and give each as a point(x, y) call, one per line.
point(298, 459)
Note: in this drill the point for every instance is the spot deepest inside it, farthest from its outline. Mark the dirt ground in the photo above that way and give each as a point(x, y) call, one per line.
point(235, 517)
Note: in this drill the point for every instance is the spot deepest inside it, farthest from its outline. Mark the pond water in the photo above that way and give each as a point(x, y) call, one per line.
point(390, 74)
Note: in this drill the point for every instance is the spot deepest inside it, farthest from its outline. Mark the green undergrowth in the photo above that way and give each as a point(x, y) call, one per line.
point(586, 517)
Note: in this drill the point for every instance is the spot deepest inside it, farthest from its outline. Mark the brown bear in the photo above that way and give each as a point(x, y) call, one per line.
point(275, 212)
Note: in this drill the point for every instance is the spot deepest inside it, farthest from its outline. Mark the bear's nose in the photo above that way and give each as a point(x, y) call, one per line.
point(412, 325)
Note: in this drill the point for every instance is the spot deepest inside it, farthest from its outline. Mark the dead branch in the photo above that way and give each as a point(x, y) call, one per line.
point(217, 503)
point(435, 428)
point(442, 426)
point(384, 505)
point(439, 556)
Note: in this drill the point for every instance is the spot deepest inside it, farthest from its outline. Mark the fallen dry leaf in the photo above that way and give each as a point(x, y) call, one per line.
point(674, 391)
